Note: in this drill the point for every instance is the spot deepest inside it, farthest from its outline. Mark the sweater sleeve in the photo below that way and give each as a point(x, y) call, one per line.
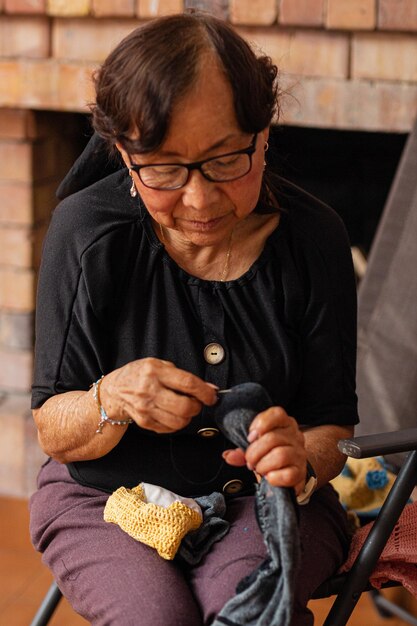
point(326, 390)
point(84, 264)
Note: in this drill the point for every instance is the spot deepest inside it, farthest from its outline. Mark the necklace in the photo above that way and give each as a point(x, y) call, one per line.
point(226, 265)
point(227, 260)
point(161, 230)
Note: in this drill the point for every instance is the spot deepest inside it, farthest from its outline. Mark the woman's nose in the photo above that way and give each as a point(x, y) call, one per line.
point(199, 192)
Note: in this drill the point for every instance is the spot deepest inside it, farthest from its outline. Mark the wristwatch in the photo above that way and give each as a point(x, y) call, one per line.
point(309, 487)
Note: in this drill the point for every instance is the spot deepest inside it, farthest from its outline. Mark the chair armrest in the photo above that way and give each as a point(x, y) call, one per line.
point(381, 443)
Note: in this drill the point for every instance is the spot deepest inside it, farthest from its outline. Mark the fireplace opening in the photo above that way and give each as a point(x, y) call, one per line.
point(352, 171)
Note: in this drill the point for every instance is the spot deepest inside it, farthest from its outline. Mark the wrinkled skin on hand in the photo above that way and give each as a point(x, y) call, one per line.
point(156, 394)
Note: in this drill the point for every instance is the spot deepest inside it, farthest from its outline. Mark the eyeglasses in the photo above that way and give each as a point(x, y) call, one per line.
point(219, 169)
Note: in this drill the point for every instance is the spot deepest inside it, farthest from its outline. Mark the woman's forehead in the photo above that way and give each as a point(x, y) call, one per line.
point(203, 120)
point(205, 114)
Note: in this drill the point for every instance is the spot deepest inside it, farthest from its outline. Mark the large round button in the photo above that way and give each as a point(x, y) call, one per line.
point(208, 432)
point(233, 486)
point(214, 353)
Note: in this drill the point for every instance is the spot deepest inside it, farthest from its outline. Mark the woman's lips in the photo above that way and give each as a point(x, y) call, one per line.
point(203, 225)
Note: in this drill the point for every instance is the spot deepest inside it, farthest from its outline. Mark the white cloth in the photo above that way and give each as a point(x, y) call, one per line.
point(164, 497)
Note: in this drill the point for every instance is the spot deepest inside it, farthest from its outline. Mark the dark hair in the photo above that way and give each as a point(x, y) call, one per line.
point(142, 79)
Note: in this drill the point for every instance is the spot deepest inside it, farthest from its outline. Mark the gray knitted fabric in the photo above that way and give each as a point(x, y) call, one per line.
point(198, 542)
point(265, 597)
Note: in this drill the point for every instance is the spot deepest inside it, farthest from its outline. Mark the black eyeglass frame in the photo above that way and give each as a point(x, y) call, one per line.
point(197, 165)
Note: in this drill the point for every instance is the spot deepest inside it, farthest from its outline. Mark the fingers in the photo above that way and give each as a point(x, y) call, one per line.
point(159, 421)
point(170, 401)
point(283, 466)
point(274, 417)
point(234, 457)
point(155, 394)
point(164, 411)
point(189, 384)
point(276, 449)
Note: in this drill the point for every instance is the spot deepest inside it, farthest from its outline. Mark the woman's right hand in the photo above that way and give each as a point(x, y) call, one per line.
point(155, 394)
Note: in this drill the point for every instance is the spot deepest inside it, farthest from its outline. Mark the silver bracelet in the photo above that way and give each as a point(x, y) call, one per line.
point(104, 418)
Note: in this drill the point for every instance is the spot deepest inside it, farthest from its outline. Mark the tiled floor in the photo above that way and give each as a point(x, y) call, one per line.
point(24, 580)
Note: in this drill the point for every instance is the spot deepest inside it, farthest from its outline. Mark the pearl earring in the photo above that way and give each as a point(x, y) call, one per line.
point(266, 146)
point(133, 190)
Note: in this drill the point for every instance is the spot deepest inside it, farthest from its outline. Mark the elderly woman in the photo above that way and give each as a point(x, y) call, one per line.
point(187, 270)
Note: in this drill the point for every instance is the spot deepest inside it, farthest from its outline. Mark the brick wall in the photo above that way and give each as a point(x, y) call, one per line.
point(349, 64)
point(346, 63)
point(36, 148)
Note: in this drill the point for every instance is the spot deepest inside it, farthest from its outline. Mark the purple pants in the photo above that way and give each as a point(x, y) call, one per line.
point(111, 579)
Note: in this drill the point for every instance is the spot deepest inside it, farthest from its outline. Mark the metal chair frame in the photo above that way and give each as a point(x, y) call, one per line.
point(349, 587)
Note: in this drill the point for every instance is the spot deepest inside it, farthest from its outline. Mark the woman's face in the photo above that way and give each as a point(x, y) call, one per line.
point(203, 125)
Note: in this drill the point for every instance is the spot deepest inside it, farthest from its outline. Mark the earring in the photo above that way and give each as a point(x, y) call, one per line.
point(266, 146)
point(133, 190)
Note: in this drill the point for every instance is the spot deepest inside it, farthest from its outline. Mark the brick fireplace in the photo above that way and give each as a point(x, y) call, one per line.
point(347, 65)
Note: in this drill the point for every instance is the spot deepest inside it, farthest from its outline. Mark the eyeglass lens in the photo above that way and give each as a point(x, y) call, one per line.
point(219, 169)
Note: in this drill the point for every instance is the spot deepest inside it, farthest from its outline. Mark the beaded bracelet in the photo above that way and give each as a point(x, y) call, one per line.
point(104, 418)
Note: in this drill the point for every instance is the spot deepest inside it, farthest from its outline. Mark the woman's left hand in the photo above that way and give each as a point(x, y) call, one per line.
point(276, 450)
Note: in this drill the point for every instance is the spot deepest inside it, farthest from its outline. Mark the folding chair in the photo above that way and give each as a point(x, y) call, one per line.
point(48, 606)
point(349, 587)
point(386, 371)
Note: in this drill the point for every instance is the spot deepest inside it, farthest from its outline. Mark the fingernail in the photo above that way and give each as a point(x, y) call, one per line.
point(225, 454)
point(253, 435)
point(213, 386)
point(250, 466)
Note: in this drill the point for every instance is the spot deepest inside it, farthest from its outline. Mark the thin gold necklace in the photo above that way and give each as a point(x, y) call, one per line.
point(227, 260)
point(225, 269)
point(161, 230)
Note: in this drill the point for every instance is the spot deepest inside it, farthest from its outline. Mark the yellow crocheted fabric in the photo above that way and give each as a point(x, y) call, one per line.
point(162, 528)
point(364, 484)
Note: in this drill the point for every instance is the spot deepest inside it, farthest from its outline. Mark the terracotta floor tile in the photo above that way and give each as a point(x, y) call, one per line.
point(21, 613)
point(17, 614)
point(14, 524)
point(37, 587)
point(17, 569)
point(364, 613)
